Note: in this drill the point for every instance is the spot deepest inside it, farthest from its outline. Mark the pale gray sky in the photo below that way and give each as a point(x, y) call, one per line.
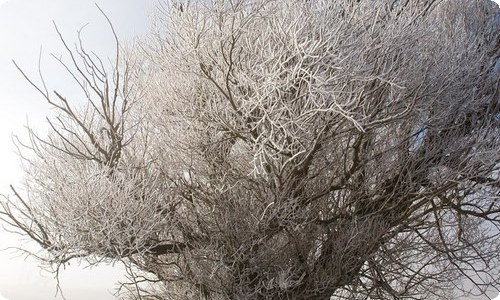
point(25, 25)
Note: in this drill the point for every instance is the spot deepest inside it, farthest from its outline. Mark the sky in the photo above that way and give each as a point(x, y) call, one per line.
point(25, 28)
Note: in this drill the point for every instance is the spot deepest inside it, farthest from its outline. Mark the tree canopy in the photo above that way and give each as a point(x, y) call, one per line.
point(283, 149)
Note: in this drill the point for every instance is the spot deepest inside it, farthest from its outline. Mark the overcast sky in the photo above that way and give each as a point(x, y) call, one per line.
point(25, 27)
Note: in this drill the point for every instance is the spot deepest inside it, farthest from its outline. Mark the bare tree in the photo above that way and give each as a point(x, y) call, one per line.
point(281, 150)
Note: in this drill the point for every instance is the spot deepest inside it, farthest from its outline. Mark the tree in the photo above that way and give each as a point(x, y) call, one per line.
point(256, 149)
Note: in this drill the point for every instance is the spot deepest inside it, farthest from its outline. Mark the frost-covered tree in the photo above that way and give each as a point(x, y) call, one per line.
point(253, 149)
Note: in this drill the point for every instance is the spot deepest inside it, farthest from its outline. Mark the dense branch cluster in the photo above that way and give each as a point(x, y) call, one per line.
point(253, 149)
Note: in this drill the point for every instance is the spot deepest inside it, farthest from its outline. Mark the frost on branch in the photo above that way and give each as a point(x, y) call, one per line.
point(282, 150)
